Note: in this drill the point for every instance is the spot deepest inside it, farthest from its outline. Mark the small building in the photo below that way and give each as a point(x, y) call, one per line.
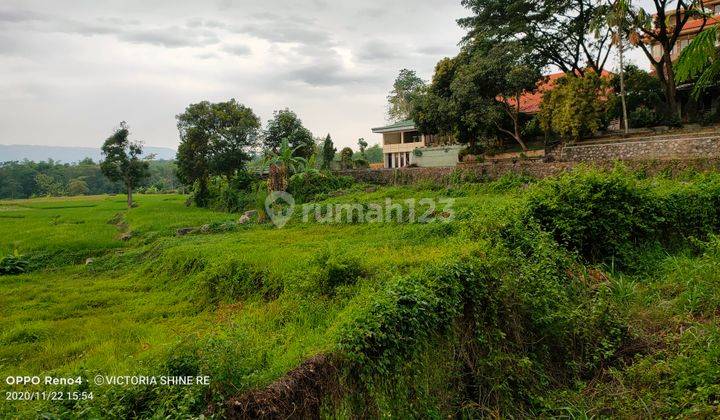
point(399, 141)
point(404, 145)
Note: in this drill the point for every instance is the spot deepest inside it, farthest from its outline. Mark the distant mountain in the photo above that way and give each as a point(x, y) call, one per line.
point(68, 154)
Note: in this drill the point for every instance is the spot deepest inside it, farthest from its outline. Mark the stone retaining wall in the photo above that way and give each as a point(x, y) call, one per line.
point(671, 147)
point(536, 169)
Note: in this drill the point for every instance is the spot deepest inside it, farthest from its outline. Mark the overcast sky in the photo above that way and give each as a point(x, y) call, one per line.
point(70, 71)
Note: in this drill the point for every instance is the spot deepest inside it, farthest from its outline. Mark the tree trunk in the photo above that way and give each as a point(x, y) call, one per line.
point(516, 123)
point(129, 196)
point(671, 89)
point(621, 48)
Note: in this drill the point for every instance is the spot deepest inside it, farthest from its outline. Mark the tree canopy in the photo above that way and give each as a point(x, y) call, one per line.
point(215, 139)
point(558, 33)
point(476, 94)
point(122, 161)
point(406, 85)
point(285, 125)
point(328, 152)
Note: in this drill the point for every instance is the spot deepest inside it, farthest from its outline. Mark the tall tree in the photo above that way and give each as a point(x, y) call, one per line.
point(215, 139)
point(328, 152)
point(477, 93)
point(399, 100)
point(615, 17)
point(122, 162)
point(285, 125)
point(362, 145)
point(346, 155)
point(557, 32)
point(663, 28)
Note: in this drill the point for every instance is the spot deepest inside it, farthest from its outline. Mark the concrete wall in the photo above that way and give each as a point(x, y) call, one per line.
point(433, 157)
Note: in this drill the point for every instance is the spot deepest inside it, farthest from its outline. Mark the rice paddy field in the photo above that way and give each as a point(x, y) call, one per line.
point(113, 291)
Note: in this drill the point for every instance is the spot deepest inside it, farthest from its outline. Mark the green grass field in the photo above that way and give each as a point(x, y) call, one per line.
point(247, 306)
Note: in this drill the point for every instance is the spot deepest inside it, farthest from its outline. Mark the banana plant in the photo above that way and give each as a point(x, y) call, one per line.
point(282, 164)
point(700, 61)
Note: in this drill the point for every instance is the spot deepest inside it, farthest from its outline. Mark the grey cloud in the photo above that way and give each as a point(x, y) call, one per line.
point(436, 50)
point(172, 37)
point(329, 73)
point(131, 31)
point(285, 33)
point(207, 56)
point(15, 16)
point(376, 50)
point(237, 49)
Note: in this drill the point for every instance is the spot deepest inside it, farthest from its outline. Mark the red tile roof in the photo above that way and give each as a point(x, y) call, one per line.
point(530, 102)
point(695, 24)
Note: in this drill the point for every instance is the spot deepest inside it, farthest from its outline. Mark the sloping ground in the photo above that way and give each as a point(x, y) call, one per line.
point(531, 302)
point(243, 307)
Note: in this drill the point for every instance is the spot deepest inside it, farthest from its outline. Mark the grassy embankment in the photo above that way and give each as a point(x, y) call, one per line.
point(591, 295)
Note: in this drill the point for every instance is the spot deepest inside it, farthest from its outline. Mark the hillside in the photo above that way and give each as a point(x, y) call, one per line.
point(591, 294)
point(67, 154)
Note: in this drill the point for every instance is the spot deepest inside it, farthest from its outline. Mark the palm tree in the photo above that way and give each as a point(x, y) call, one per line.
point(282, 163)
point(615, 16)
point(700, 61)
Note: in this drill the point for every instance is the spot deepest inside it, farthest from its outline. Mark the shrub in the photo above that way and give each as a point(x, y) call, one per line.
point(575, 107)
point(13, 264)
point(307, 186)
point(642, 116)
point(605, 217)
point(231, 195)
point(599, 215)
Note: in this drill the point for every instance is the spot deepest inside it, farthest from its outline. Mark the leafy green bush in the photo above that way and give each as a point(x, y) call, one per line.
point(307, 186)
point(605, 217)
point(599, 215)
point(521, 316)
point(13, 264)
point(642, 116)
point(232, 195)
point(575, 108)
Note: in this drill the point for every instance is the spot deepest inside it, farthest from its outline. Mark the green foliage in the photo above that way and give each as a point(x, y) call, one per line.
point(474, 95)
point(13, 264)
point(232, 196)
point(558, 33)
point(643, 116)
point(374, 154)
point(337, 270)
point(215, 139)
point(606, 217)
point(49, 186)
point(328, 152)
point(78, 187)
point(346, 155)
point(485, 315)
point(700, 61)
point(309, 186)
point(122, 162)
point(286, 126)
point(399, 100)
point(575, 107)
point(642, 90)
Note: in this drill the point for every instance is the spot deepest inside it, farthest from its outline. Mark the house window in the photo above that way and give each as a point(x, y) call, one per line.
point(657, 51)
